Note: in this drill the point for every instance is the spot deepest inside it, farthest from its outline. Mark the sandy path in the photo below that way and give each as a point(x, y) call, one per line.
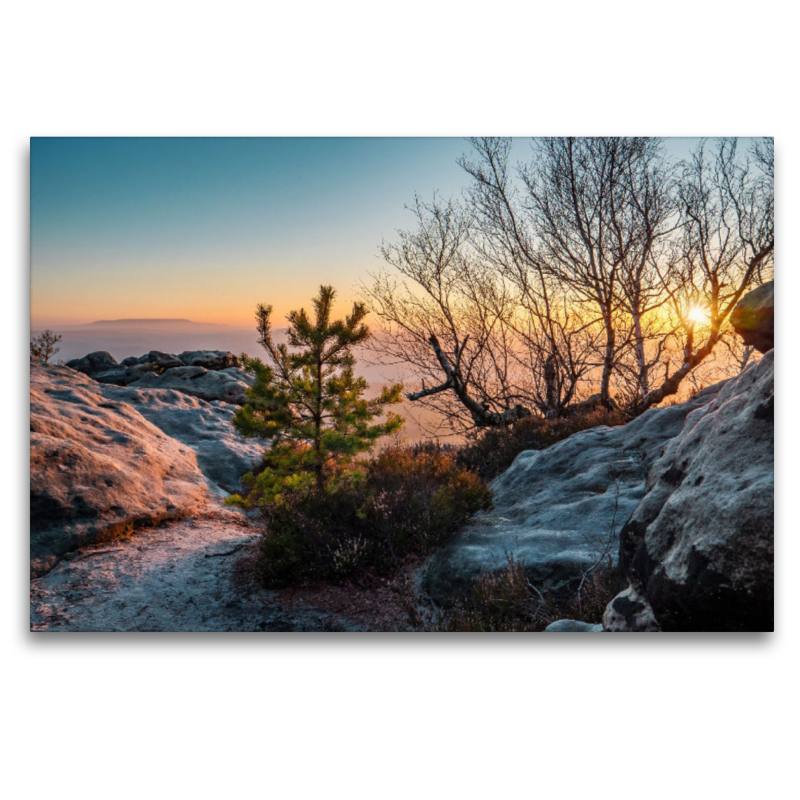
point(184, 576)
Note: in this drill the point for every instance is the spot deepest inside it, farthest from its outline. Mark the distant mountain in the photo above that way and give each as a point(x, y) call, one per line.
point(159, 323)
point(109, 322)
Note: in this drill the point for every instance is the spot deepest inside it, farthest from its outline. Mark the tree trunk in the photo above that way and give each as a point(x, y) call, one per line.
point(642, 378)
point(551, 386)
point(608, 362)
point(318, 431)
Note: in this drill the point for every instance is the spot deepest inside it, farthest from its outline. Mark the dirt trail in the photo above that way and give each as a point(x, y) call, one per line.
point(184, 576)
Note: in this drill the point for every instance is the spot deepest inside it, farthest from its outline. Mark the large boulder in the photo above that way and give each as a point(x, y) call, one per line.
point(560, 510)
point(209, 359)
point(697, 553)
point(94, 363)
point(103, 368)
point(228, 385)
point(222, 455)
point(155, 358)
point(754, 318)
point(99, 468)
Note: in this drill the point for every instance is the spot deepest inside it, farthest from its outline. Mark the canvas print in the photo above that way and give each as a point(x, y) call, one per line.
point(402, 384)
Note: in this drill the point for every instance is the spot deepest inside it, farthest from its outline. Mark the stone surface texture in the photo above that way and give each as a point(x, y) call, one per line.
point(698, 551)
point(560, 510)
point(98, 467)
point(754, 317)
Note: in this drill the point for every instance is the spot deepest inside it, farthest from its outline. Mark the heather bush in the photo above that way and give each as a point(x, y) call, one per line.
point(493, 450)
point(370, 519)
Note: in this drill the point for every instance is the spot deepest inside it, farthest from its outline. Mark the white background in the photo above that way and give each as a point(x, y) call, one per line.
point(385, 716)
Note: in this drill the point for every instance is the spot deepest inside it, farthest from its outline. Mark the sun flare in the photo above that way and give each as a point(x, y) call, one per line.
point(697, 314)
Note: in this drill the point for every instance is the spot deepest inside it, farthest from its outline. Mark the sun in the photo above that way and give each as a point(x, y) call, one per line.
point(697, 314)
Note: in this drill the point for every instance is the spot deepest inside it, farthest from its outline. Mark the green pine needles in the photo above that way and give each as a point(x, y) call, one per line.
point(308, 403)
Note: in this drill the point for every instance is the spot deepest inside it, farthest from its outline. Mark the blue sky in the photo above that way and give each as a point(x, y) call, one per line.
point(206, 228)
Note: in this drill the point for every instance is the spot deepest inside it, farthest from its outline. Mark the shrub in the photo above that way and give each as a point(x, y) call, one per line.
point(493, 450)
point(404, 502)
point(506, 601)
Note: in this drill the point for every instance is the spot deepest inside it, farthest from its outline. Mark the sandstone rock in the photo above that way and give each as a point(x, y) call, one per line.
point(101, 367)
point(161, 360)
point(698, 550)
point(209, 359)
point(222, 455)
point(99, 468)
point(99, 361)
point(630, 612)
point(560, 509)
point(572, 626)
point(134, 372)
point(754, 318)
point(118, 377)
point(227, 385)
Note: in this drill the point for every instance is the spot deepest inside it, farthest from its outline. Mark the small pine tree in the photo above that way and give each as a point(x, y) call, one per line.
point(43, 346)
point(308, 402)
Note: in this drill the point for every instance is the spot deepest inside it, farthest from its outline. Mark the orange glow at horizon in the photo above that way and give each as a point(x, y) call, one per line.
point(227, 296)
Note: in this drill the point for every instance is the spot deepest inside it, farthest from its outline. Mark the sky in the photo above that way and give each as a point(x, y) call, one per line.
point(204, 229)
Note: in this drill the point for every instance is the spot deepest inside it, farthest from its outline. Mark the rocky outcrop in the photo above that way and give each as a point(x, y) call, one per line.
point(560, 510)
point(209, 359)
point(161, 361)
point(99, 468)
point(754, 318)
point(94, 363)
point(106, 458)
point(222, 455)
point(697, 553)
point(207, 374)
point(228, 385)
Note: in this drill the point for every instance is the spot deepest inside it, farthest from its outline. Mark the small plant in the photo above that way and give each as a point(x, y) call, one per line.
point(43, 346)
point(308, 403)
point(502, 601)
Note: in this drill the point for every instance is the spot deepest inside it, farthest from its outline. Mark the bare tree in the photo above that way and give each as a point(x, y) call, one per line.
point(602, 209)
point(727, 246)
point(597, 262)
point(43, 346)
point(449, 320)
point(558, 339)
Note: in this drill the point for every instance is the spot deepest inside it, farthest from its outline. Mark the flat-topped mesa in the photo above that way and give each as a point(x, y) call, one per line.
point(207, 374)
point(754, 317)
point(105, 323)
